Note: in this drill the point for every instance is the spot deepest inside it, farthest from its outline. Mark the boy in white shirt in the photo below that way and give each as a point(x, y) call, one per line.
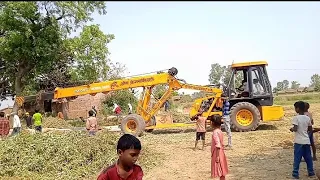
point(301, 126)
point(16, 124)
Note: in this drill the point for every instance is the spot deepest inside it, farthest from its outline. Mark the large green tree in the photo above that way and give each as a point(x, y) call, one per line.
point(295, 85)
point(90, 53)
point(315, 82)
point(34, 37)
point(282, 85)
point(222, 74)
point(285, 84)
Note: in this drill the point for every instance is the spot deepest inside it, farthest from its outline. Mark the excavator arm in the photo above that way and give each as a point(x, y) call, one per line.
point(104, 87)
point(144, 109)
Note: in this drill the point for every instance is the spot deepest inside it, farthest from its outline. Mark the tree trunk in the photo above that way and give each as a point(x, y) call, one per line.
point(19, 84)
point(18, 87)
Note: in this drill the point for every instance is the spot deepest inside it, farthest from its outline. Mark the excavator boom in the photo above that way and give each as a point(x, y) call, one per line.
point(114, 85)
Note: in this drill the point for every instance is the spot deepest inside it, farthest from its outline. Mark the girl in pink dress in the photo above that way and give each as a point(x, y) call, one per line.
point(219, 166)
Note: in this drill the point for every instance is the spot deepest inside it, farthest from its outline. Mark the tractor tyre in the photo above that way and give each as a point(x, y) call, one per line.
point(133, 124)
point(153, 123)
point(244, 117)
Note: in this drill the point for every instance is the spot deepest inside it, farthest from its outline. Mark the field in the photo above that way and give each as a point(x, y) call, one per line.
point(289, 99)
point(264, 154)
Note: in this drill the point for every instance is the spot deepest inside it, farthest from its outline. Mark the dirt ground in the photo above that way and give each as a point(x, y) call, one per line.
point(263, 154)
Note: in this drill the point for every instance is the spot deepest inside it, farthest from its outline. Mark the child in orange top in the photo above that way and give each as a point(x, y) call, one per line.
point(201, 128)
point(219, 165)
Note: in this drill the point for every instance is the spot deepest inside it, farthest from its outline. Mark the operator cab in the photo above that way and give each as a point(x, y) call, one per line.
point(250, 81)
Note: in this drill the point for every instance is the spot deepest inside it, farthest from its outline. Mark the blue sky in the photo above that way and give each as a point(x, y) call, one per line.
point(191, 36)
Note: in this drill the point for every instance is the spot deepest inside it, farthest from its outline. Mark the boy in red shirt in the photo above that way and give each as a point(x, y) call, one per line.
point(128, 150)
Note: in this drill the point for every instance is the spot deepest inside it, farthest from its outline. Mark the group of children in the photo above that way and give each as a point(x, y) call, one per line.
point(303, 139)
point(128, 150)
point(129, 147)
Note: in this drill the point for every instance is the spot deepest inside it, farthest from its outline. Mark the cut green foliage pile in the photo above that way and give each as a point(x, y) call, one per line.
point(101, 122)
point(70, 155)
point(67, 155)
point(51, 122)
point(180, 117)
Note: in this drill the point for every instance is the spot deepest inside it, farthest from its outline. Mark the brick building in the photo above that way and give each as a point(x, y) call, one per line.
point(71, 109)
point(80, 106)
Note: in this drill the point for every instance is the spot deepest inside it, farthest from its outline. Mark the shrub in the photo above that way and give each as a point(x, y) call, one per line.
point(122, 98)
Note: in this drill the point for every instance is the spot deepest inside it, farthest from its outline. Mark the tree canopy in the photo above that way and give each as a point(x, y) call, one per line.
point(222, 74)
point(35, 42)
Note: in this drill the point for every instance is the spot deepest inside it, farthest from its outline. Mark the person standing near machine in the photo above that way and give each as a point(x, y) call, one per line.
point(200, 128)
point(130, 108)
point(16, 124)
point(28, 120)
point(94, 111)
point(226, 118)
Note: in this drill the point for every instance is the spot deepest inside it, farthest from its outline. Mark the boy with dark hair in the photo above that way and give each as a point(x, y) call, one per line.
point(128, 150)
point(301, 126)
point(313, 147)
point(200, 128)
point(92, 123)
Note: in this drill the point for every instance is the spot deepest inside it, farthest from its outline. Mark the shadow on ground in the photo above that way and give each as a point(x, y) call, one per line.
point(209, 129)
point(172, 131)
point(266, 127)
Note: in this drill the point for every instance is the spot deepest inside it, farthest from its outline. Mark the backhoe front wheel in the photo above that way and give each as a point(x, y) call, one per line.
point(133, 124)
point(245, 117)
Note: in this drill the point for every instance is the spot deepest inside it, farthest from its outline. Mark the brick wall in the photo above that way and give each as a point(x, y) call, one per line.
point(80, 106)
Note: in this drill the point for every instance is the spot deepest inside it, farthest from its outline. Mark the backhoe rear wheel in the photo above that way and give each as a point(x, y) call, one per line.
point(133, 124)
point(244, 117)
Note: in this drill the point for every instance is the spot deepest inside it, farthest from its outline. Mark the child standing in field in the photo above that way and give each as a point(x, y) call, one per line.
point(37, 119)
point(226, 118)
point(92, 124)
point(128, 150)
point(219, 165)
point(201, 128)
point(314, 150)
point(301, 126)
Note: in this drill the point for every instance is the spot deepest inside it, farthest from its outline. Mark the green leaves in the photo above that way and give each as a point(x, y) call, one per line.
point(315, 82)
point(69, 155)
point(122, 98)
point(90, 53)
point(34, 38)
point(222, 74)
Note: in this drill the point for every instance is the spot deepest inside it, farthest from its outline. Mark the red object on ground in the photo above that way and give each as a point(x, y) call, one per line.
point(118, 110)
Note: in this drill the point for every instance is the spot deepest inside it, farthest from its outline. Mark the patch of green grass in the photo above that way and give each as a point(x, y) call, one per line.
point(291, 99)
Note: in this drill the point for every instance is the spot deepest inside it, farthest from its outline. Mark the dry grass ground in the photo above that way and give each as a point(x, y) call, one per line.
point(265, 154)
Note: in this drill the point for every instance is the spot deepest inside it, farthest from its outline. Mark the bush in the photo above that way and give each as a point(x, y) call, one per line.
point(122, 98)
